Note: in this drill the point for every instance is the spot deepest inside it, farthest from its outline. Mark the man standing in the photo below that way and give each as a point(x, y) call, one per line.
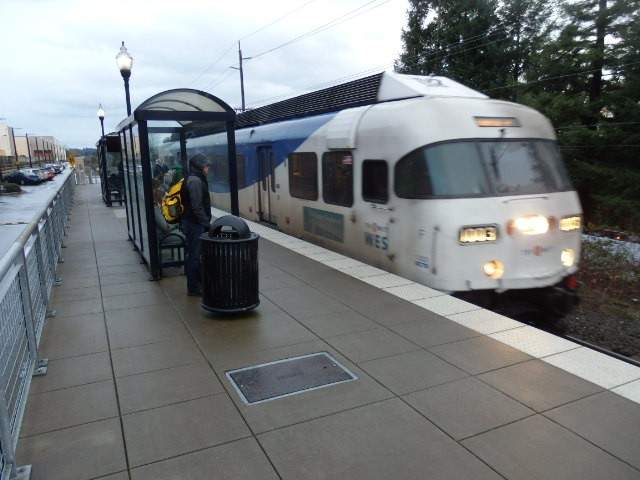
point(196, 219)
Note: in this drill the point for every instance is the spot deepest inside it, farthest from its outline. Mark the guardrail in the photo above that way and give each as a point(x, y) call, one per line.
point(27, 274)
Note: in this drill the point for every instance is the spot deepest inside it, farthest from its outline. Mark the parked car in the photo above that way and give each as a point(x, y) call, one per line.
point(23, 177)
point(57, 168)
point(48, 172)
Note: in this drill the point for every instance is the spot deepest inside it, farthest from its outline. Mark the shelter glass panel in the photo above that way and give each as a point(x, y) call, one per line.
point(140, 196)
point(127, 149)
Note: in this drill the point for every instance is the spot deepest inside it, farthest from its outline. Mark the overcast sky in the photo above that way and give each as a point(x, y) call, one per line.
point(58, 56)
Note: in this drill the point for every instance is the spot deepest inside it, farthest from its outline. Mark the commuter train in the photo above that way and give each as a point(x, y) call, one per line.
point(419, 176)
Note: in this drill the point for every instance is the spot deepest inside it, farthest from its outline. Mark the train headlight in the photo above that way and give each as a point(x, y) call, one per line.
point(494, 269)
point(567, 224)
point(529, 225)
point(567, 257)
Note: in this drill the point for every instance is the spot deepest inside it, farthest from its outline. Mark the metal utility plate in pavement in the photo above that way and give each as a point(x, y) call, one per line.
point(287, 377)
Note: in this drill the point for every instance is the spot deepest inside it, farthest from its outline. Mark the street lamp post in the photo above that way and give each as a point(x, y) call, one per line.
point(101, 117)
point(125, 62)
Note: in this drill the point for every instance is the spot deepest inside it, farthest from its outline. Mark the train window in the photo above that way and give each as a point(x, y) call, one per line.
point(219, 171)
point(456, 170)
point(375, 181)
point(337, 178)
point(480, 168)
point(240, 171)
point(524, 166)
point(448, 169)
point(412, 176)
point(303, 175)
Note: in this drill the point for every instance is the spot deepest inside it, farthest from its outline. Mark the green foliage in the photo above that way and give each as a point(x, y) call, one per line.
point(611, 268)
point(577, 62)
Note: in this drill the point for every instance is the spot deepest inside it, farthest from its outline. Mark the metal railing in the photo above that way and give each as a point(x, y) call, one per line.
point(27, 274)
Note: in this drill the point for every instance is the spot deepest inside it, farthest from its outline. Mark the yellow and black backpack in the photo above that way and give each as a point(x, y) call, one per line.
point(173, 203)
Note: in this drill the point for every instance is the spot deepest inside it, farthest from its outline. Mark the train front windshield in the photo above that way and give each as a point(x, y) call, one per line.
point(482, 168)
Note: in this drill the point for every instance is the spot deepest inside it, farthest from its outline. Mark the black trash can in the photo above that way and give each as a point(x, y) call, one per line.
point(229, 266)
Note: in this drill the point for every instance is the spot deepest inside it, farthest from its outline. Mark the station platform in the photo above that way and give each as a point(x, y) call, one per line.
point(138, 386)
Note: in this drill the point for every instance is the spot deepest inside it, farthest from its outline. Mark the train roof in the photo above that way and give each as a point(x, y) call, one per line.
point(381, 87)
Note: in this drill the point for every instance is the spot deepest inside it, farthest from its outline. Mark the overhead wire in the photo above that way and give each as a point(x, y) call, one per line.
point(326, 26)
point(337, 21)
point(247, 36)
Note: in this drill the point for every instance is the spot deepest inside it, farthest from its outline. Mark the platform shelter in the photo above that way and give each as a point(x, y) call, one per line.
point(156, 142)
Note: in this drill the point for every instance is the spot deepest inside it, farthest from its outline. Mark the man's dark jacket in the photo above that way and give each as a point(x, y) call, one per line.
point(197, 200)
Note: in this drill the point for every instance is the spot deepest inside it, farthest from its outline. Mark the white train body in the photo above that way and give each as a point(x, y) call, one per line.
point(475, 197)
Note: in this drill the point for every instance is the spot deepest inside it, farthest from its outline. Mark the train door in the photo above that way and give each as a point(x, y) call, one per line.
point(267, 183)
point(378, 215)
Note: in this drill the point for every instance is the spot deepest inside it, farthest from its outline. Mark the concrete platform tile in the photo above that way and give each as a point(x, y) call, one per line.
point(240, 460)
point(257, 331)
point(181, 428)
point(73, 336)
point(164, 387)
point(534, 341)
point(536, 448)
point(394, 311)
point(69, 407)
point(305, 405)
point(595, 367)
point(77, 307)
point(332, 324)
point(70, 282)
point(606, 420)
point(129, 288)
point(363, 346)
point(78, 268)
point(72, 372)
point(124, 270)
point(413, 291)
point(467, 407)
point(116, 476)
point(538, 385)
point(80, 453)
point(431, 331)
point(276, 282)
point(311, 404)
point(363, 271)
point(155, 356)
point(349, 291)
point(142, 325)
point(303, 300)
point(386, 280)
point(118, 278)
point(629, 390)
point(133, 300)
point(118, 255)
point(479, 354)
point(446, 305)
point(412, 371)
point(381, 441)
point(484, 321)
point(60, 294)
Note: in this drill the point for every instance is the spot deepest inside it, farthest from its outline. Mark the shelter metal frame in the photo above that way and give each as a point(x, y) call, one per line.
point(182, 114)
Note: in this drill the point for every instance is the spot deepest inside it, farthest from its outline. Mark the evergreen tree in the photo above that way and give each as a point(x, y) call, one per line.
point(456, 38)
point(580, 66)
point(588, 91)
point(528, 25)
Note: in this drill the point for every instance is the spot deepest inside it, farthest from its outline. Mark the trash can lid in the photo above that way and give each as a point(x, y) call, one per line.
point(239, 227)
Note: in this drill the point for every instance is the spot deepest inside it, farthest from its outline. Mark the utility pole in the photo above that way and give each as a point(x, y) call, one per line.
point(241, 75)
